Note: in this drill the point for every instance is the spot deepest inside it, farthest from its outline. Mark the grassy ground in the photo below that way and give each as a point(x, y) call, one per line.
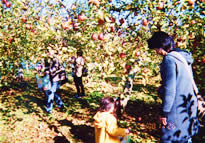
point(23, 118)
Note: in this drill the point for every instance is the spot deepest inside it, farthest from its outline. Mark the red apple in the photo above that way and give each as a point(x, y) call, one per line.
point(191, 2)
point(170, 23)
point(203, 60)
point(122, 55)
point(127, 67)
point(11, 40)
point(81, 17)
point(101, 36)
point(94, 36)
point(75, 26)
point(193, 22)
point(138, 53)
point(4, 1)
point(101, 21)
point(8, 4)
point(119, 33)
point(24, 19)
point(112, 19)
point(122, 20)
point(160, 6)
point(112, 28)
point(139, 118)
point(123, 43)
point(145, 22)
point(28, 26)
point(179, 39)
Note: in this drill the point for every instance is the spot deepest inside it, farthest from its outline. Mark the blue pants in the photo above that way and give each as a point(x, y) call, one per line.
point(52, 95)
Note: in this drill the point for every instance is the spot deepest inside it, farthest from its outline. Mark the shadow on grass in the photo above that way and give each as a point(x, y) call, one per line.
point(82, 132)
point(150, 90)
point(60, 139)
point(147, 114)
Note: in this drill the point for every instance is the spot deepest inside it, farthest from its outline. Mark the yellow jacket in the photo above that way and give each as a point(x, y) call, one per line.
point(106, 129)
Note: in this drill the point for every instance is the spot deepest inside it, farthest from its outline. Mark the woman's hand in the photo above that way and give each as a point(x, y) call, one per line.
point(127, 131)
point(163, 120)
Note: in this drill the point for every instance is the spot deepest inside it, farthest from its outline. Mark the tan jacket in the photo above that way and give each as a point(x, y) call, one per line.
point(106, 129)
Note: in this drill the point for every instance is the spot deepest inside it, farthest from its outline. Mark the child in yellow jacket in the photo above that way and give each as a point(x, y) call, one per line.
point(106, 128)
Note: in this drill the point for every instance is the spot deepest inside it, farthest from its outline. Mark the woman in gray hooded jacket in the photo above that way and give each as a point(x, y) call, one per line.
point(179, 102)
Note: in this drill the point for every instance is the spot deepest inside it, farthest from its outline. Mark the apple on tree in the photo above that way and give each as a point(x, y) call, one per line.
point(28, 26)
point(145, 22)
point(100, 21)
point(112, 28)
point(193, 22)
point(24, 19)
point(8, 4)
point(123, 43)
point(94, 36)
point(160, 6)
point(112, 19)
point(122, 20)
point(122, 55)
point(101, 36)
point(127, 67)
point(4, 1)
point(81, 17)
point(203, 60)
point(11, 40)
point(138, 53)
point(191, 2)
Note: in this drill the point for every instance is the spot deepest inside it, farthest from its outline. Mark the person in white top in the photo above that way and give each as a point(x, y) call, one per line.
point(78, 71)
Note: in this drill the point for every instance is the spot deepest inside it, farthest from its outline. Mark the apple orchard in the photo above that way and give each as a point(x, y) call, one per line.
point(112, 34)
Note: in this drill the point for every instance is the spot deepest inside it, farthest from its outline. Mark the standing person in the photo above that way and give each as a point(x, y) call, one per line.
point(78, 70)
point(179, 102)
point(20, 74)
point(46, 82)
point(55, 77)
point(105, 122)
point(39, 76)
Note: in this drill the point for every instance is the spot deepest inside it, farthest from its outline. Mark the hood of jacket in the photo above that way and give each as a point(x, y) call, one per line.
point(100, 119)
point(187, 55)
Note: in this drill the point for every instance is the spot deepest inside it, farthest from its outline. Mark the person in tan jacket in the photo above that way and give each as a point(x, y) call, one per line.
point(105, 122)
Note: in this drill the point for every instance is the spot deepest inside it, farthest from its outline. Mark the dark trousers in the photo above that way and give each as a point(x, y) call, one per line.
point(79, 85)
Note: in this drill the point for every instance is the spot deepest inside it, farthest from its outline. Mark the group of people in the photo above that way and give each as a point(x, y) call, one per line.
point(52, 76)
point(179, 102)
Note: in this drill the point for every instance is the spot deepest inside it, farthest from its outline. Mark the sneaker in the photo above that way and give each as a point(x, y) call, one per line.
point(62, 108)
point(77, 96)
point(48, 112)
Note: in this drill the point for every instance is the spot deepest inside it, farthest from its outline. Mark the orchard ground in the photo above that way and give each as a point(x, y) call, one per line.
point(23, 117)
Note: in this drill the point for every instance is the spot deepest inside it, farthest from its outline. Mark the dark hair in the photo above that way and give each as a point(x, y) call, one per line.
point(47, 64)
point(161, 40)
point(106, 104)
point(79, 52)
